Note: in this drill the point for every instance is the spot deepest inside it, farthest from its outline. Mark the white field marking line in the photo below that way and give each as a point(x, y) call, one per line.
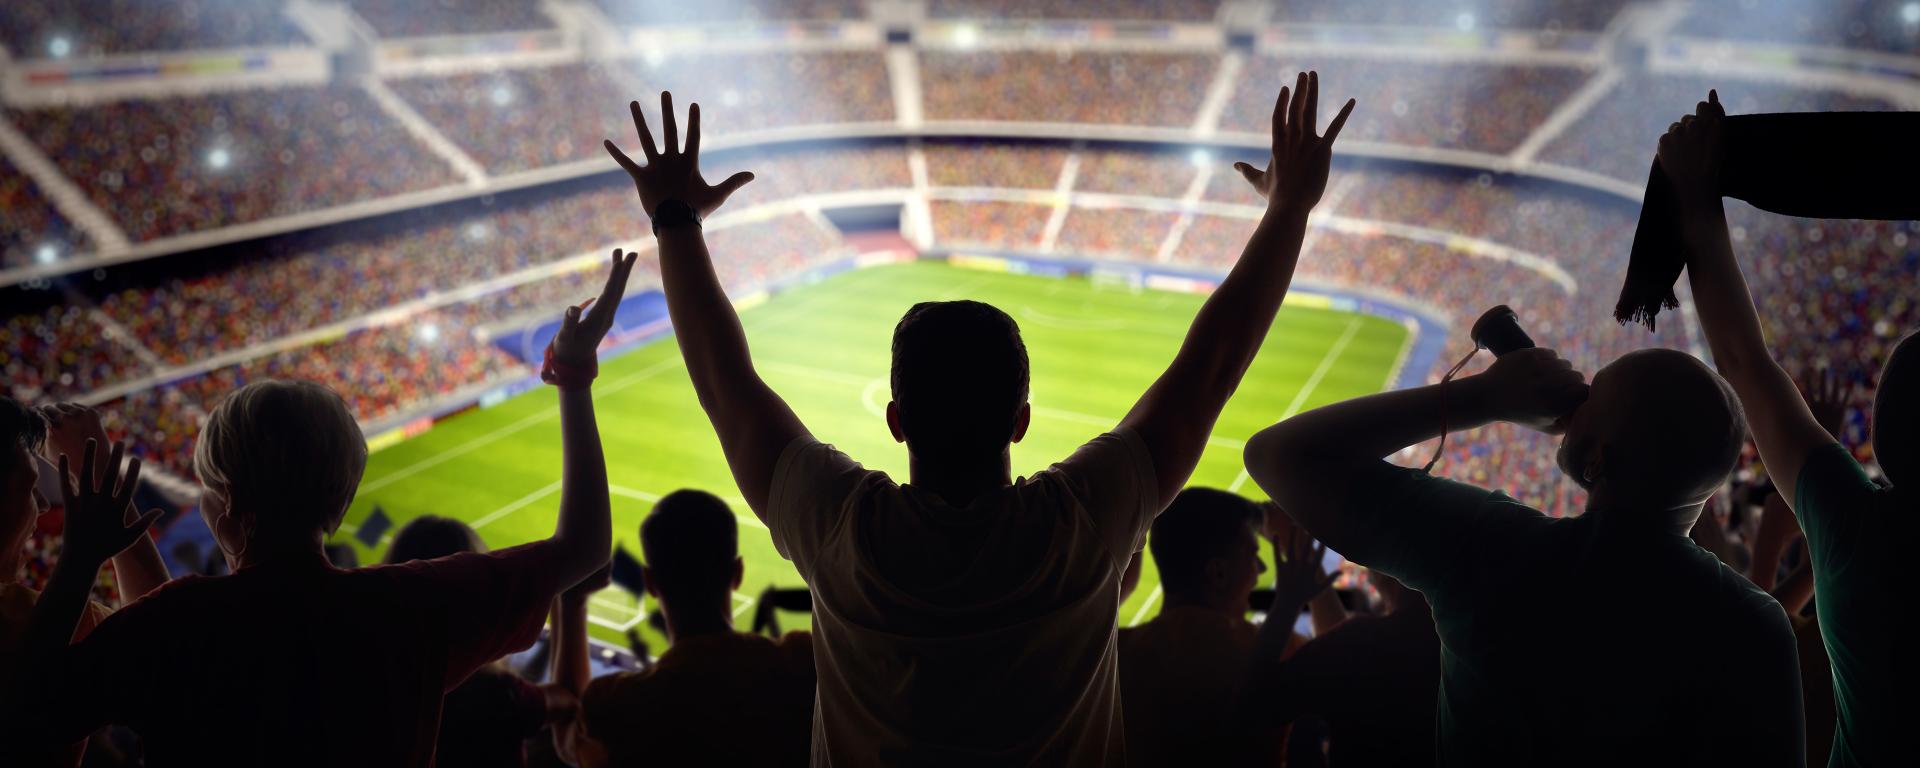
point(516, 505)
point(1141, 615)
point(1306, 390)
point(486, 439)
point(734, 503)
point(745, 604)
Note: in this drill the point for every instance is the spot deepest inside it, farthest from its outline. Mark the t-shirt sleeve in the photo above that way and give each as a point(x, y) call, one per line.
point(1112, 478)
point(808, 498)
point(1418, 528)
point(491, 604)
point(526, 705)
point(608, 715)
point(1834, 502)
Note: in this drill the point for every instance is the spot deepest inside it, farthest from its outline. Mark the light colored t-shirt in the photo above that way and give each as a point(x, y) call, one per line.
point(972, 635)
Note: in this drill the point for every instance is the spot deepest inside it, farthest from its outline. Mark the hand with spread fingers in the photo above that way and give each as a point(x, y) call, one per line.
point(96, 500)
point(578, 342)
point(1296, 173)
point(673, 173)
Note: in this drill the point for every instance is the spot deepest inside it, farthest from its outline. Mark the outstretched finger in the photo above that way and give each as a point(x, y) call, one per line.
point(1340, 120)
point(693, 129)
point(733, 184)
point(1252, 175)
point(1280, 107)
point(646, 135)
point(110, 472)
point(620, 157)
point(124, 498)
point(670, 130)
point(1311, 120)
point(141, 524)
point(87, 484)
point(1297, 114)
point(69, 494)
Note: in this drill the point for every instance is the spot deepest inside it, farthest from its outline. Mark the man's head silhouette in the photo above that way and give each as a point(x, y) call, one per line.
point(1658, 434)
point(1207, 549)
point(959, 382)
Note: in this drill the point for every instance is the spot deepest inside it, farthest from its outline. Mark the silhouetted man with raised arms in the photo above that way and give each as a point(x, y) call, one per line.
point(969, 617)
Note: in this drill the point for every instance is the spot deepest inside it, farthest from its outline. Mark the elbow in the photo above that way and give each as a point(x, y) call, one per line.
point(1267, 455)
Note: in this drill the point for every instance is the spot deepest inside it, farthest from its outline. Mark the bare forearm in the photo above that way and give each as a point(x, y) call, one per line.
point(1721, 297)
point(711, 338)
point(585, 527)
point(570, 669)
point(1369, 428)
point(139, 569)
point(1326, 611)
point(1230, 326)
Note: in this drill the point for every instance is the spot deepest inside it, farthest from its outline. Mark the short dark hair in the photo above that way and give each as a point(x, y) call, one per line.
point(959, 378)
point(690, 541)
point(1896, 413)
point(21, 427)
point(1200, 525)
point(429, 536)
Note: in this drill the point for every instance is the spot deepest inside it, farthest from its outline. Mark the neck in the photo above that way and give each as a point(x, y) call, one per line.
point(714, 619)
point(960, 482)
point(1671, 518)
point(263, 550)
point(1220, 606)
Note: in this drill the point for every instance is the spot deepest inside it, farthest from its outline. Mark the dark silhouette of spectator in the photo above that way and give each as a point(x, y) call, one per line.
point(1373, 679)
point(1539, 664)
point(1857, 531)
point(290, 661)
point(716, 696)
point(487, 720)
point(24, 434)
point(1180, 674)
point(967, 616)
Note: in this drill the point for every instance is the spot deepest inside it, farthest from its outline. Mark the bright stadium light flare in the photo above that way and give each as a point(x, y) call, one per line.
point(1200, 157)
point(429, 332)
point(219, 159)
point(966, 36)
point(477, 231)
point(501, 96)
point(59, 47)
point(46, 253)
point(1910, 13)
point(1465, 21)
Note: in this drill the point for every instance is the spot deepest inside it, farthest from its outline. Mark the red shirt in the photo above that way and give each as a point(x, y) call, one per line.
point(301, 663)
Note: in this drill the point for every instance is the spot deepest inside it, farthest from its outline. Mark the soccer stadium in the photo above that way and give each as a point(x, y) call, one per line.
point(397, 200)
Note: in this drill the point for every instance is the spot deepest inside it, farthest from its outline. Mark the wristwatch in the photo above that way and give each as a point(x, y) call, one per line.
point(673, 213)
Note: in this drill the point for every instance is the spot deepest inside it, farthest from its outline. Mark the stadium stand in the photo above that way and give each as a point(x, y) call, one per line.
point(1007, 226)
point(662, 12)
point(741, 92)
point(1124, 172)
point(403, 18)
point(1617, 137)
point(523, 118)
point(1874, 25)
point(56, 29)
point(34, 231)
point(1416, 102)
point(1155, 89)
point(1006, 166)
point(1127, 10)
point(1122, 233)
point(816, 169)
point(1568, 15)
point(60, 352)
point(167, 166)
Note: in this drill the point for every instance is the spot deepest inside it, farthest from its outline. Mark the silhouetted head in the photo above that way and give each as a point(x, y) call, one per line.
point(1207, 548)
point(429, 536)
point(959, 381)
point(279, 461)
point(22, 433)
point(1659, 433)
point(1896, 414)
point(692, 546)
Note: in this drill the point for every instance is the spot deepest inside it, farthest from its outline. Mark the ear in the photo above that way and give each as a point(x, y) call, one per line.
point(893, 422)
point(1021, 420)
point(646, 577)
point(1216, 572)
point(739, 572)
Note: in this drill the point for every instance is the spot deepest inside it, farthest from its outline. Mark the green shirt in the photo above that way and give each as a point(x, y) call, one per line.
point(1859, 533)
point(1581, 641)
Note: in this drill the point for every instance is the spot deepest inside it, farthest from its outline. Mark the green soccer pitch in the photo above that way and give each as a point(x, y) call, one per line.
point(825, 348)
